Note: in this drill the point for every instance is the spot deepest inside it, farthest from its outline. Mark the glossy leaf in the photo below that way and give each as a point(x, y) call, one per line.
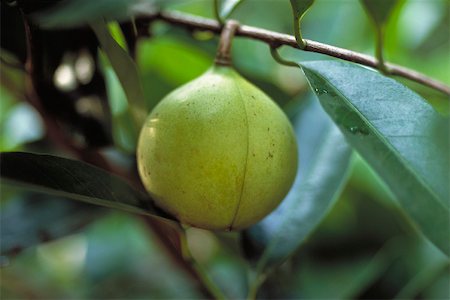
point(324, 159)
point(72, 179)
point(126, 71)
point(401, 136)
point(299, 8)
point(33, 219)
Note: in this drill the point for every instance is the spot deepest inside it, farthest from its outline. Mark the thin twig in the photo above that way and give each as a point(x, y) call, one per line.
point(277, 39)
point(201, 273)
point(173, 240)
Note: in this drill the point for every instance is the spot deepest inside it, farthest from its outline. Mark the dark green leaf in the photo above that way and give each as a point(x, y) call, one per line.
point(300, 7)
point(426, 264)
point(379, 10)
point(35, 218)
point(323, 165)
point(71, 13)
point(73, 179)
point(347, 276)
point(397, 133)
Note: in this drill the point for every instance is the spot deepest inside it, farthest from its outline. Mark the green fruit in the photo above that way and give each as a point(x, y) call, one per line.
point(217, 153)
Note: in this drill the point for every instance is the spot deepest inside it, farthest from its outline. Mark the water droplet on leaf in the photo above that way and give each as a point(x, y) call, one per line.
point(359, 130)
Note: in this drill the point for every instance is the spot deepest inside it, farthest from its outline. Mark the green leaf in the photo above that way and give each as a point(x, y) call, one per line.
point(158, 55)
point(126, 71)
point(161, 72)
point(404, 140)
point(426, 264)
point(225, 8)
point(347, 276)
point(323, 167)
point(73, 13)
point(228, 6)
point(33, 219)
point(437, 38)
point(19, 124)
point(379, 10)
point(124, 132)
point(73, 179)
point(299, 8)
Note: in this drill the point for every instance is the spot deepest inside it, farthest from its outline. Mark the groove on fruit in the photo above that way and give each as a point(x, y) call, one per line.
point(236, 212)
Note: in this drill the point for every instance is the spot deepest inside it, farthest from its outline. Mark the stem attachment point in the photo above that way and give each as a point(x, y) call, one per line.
point(223, 55)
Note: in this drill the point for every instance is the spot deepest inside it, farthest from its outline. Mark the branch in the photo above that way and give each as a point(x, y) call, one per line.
point(276, 39)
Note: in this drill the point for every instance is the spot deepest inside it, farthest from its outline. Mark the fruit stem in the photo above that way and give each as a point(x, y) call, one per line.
point(256, 282)
point(210, 285)
point(223, 55)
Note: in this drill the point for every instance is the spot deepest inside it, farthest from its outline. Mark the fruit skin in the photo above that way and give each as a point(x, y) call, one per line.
point(217, 153)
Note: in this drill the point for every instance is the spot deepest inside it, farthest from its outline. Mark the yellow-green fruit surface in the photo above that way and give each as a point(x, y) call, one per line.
point(217, 153)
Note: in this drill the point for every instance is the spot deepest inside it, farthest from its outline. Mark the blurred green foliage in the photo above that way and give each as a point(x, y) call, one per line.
point(365, 248)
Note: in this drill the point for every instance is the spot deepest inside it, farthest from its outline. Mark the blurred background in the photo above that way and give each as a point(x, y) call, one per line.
point(365, 248)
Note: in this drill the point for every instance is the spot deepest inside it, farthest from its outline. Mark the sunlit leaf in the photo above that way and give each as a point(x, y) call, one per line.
point(126, 72)
point(117, 35)
point(124, 133)
point(73, 179)
point(323, 165)
point(401, 136)
point(21, 125)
